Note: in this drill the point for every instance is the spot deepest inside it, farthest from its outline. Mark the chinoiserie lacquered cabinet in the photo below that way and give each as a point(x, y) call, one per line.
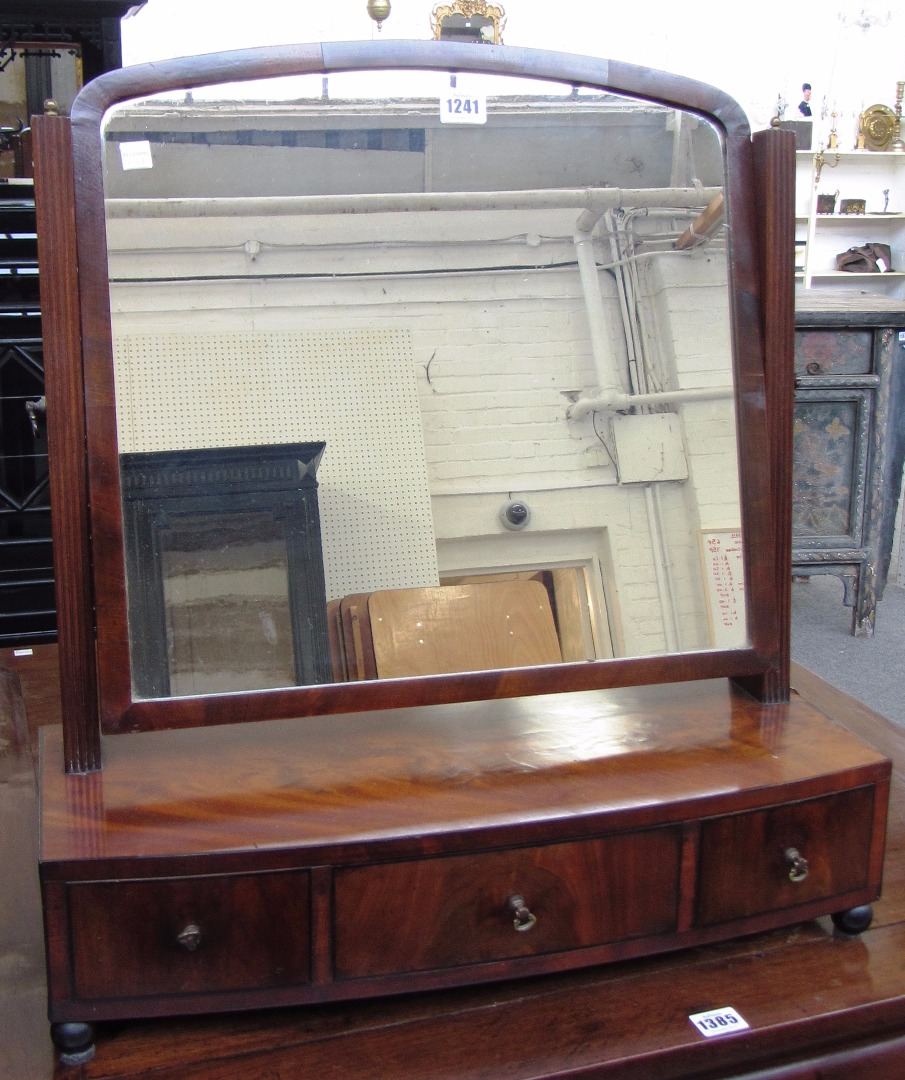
point(849, 441)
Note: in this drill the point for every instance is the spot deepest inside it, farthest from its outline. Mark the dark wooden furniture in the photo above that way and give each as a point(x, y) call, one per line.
point(369, 838)
point(815, 999)
point(248, 513)
point(849, 441)
point(36, 671)
point(27, 614)
point(92, 27)
point(331, 857)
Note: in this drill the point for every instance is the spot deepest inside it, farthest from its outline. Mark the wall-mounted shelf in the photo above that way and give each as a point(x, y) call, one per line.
point(879, 179)
point(862, 155)
point(861, 278)
point(854, 219)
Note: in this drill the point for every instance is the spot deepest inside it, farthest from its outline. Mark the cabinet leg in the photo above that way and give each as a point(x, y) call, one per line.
point(75, 1041)
point(855, 920)
point(865, 609)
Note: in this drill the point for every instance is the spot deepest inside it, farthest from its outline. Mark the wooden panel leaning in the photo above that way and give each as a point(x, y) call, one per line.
point(461, 628)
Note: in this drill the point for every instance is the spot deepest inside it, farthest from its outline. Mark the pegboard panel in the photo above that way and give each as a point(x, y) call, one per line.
point(353, 389)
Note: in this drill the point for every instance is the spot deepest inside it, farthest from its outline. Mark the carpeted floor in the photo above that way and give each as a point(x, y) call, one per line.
point(870, 669)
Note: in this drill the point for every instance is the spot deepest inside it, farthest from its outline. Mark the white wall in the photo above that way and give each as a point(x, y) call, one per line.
point(754, 54)
point(496, 359)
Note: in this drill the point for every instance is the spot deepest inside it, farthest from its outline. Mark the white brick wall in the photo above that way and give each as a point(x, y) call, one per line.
point(497, 359)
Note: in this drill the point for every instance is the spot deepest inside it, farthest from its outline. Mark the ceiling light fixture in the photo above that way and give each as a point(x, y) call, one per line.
point(379, 10)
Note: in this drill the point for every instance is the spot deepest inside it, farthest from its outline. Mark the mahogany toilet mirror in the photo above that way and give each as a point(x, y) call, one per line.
point(420, 421)
point(249, 308)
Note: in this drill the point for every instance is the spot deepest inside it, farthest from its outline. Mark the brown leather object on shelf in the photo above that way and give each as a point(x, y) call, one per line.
point(866, 259)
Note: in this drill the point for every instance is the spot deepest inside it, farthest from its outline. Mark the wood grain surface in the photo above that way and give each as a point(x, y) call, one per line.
point(815, 999)
point(402, 777)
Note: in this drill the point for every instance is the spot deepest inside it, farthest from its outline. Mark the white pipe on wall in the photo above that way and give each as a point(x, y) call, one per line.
point(619, 402)
point(619, 266)
point(594, 200)
point(612, 388)
point(608, 376)
point(610, 399)
point(665, 592)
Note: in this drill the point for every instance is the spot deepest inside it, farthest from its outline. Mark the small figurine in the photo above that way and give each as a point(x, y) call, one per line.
point(805, 106)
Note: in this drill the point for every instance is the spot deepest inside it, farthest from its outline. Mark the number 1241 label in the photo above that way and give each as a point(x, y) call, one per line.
point(463, 109)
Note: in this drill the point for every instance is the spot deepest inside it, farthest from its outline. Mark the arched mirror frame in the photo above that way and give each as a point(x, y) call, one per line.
point(103, 649)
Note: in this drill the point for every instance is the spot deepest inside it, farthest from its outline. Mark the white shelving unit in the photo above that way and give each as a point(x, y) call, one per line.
point(854, 174)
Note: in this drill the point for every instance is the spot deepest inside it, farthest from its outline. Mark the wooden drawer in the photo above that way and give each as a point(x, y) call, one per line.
point(833, 352)
point(253, 931)
point(744, 869)
point(444, 912)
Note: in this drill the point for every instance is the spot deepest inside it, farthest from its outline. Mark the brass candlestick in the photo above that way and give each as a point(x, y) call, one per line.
point(833, 141)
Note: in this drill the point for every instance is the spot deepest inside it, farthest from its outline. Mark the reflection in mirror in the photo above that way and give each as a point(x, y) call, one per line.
point(469, 20)
point(404, 390)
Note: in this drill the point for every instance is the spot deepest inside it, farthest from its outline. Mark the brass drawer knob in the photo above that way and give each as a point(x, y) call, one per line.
point(190, 937)
point(522, 919)
point(797, 864)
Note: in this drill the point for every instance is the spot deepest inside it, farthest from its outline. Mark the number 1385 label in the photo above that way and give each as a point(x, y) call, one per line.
point(458, 108)
point(718, 1022)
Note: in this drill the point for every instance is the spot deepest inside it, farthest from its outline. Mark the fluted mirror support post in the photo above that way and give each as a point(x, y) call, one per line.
point(774, 162)
point(61, 329)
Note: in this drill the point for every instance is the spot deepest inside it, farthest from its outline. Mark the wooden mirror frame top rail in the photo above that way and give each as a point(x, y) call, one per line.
point(94, 644)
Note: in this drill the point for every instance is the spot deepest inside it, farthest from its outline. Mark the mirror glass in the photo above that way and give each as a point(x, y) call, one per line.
point(477, 28)
point(418, 373)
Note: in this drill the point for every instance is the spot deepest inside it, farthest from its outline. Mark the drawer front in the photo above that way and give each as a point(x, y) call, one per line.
point(833, 352)
point(189, 935)
point(449, 911)
point(745, 869)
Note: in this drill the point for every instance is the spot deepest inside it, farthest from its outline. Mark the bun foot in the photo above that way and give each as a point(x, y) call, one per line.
point(855, 920)
point(75, 1041)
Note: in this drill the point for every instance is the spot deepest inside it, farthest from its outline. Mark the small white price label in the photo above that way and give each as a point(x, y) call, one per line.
point(136, 155)
point(457, 107)
point(718, 1022)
